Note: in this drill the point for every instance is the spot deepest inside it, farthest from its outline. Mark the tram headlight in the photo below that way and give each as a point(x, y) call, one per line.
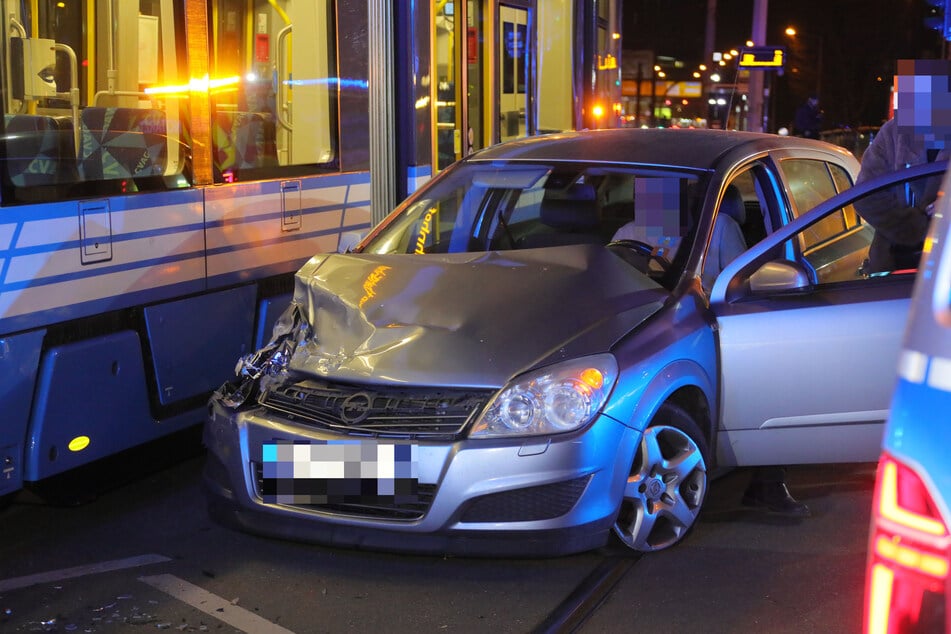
point(559, 398)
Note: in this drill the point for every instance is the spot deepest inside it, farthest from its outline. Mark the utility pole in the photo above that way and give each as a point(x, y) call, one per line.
point(709, 42)
point(756, 78)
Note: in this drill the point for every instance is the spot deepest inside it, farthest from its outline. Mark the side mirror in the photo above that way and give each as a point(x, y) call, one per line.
point(779, 275)
point(350, 239)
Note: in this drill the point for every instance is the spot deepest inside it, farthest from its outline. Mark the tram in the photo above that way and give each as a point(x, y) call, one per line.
point(167, 165)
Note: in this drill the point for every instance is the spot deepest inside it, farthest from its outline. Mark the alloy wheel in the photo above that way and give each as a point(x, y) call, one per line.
point(664, 491)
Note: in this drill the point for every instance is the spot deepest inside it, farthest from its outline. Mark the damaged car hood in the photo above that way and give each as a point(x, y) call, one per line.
point(471, 319)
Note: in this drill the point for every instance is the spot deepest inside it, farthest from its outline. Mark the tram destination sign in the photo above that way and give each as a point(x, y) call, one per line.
point(762, 57)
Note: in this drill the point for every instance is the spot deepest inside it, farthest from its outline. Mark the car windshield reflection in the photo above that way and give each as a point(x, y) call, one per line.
point(499, 207)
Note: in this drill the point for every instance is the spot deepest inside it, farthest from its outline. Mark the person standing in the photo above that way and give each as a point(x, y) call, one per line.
point(808, 121)
point(920, 131)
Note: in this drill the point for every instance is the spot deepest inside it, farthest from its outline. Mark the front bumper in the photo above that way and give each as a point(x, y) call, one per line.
point(521, 497)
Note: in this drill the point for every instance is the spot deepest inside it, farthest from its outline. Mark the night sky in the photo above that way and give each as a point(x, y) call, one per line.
point(861, 39)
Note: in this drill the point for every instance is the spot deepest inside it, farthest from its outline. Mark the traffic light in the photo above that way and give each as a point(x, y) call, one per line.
point(939, 17)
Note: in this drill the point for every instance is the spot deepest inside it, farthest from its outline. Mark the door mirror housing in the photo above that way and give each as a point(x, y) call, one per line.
point(779, 275)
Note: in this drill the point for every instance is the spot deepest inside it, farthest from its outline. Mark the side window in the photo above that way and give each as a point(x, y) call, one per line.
point(843, 181)
point(897, 217)
point(741, 222)
point(93, 116)
point(430, 226)
point(755, 223)
point(274, 109)
point(527, 206)
point(841, 177)
point(835, 248)
point(809, 183)
point(841, 258)
point(857, 252)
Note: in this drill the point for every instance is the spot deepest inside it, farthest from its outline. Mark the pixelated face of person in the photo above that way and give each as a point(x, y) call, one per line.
point(657, 211)
point(923, 100)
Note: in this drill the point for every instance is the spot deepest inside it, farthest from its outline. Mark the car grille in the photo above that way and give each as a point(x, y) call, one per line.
point(544, 502)
point(402, 510)
point(387, 412)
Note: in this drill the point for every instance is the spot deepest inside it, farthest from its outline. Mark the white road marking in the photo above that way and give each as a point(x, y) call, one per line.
point(213, 605)
point(15, 583)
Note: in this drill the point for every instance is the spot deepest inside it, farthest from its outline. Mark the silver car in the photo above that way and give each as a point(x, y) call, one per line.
point(558, 342)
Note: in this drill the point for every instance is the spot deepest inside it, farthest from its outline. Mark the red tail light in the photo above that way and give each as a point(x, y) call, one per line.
point(909, 554)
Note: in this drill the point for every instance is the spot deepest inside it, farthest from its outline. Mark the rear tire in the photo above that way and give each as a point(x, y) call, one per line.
point(667, 483)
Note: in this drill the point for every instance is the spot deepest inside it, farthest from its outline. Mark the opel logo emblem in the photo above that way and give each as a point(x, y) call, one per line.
point(355, 408)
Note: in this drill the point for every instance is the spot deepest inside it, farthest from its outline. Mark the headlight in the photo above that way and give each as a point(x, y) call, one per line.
point(562, 397)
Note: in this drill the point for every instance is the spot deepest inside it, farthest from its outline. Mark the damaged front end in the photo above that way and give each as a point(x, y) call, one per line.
point(268, 366)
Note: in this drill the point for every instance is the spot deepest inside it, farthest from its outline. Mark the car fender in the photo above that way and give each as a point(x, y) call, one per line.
point(672, 377)
point(677, 375)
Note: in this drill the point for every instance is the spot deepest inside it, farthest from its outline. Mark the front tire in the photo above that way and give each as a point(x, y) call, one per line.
point(666, 485)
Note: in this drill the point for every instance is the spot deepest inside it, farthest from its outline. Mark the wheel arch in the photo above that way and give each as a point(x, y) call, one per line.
point(683, 382)
point(692, 400)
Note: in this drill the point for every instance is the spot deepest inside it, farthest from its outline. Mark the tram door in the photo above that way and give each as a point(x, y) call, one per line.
point(483, 61)
point(448, 76)
point(515, 70)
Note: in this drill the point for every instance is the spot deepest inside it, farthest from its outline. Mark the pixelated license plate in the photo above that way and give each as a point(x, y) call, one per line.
point(366, 472)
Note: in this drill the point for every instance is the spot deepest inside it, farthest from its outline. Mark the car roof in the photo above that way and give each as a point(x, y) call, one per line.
point(682, 147)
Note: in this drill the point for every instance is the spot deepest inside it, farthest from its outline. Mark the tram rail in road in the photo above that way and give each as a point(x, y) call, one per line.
point(587, 596)
point(150, 546)
point(567, 616)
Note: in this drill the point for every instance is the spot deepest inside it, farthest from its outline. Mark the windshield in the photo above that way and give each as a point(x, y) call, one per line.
point(503, 206)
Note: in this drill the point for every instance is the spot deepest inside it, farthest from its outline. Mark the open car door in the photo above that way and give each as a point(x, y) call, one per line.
point(809, 339)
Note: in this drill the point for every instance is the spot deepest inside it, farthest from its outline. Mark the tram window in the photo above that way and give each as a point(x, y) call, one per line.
point(93, 117)
point(277, 116)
